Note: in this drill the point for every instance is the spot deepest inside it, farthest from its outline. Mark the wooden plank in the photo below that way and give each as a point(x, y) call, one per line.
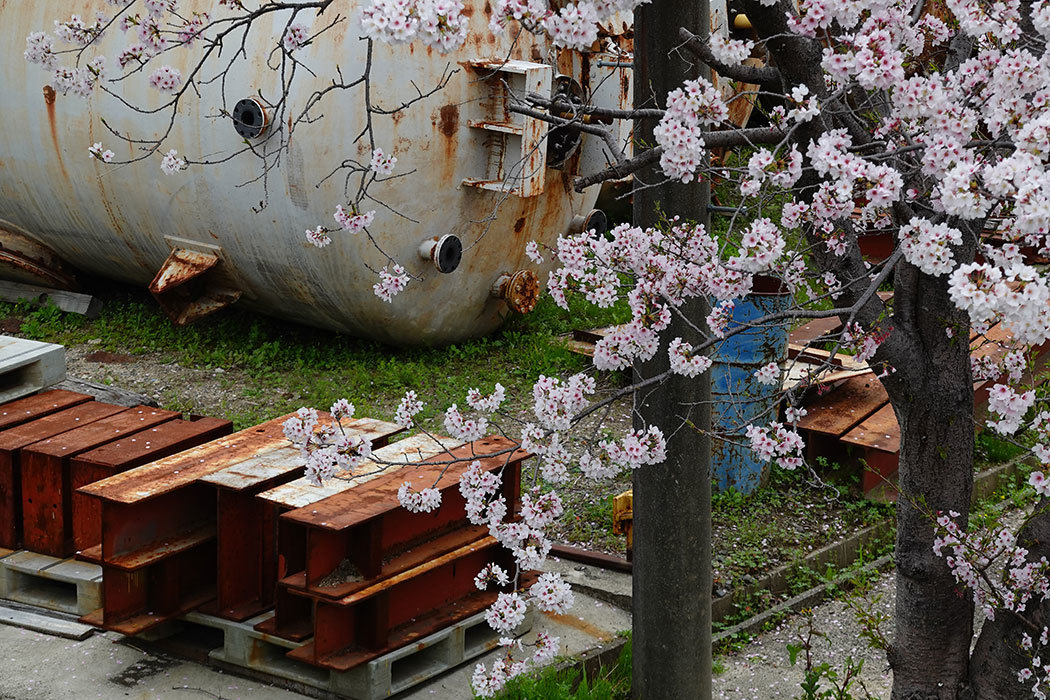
point(45, 624)
point(819, 356)
point(172, 473)
point(816, 328)
point(257, 471)
point(301, 493)
point(879, 432)
point(842, 408)
point(105, 392)
point(994, 343)
point(83, 304)
point(591, 335)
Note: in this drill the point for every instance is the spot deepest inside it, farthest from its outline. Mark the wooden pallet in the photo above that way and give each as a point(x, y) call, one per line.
point(65, 585)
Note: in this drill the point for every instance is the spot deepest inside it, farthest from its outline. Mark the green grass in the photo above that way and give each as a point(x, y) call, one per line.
point(315, 367)
point(990, 449)
point(612, 683)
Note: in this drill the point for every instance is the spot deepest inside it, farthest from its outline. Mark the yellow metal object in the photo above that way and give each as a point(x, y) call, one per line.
point(741, 22)
point(623, 518)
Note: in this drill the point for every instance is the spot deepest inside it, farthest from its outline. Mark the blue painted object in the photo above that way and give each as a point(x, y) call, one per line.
point(739, 399)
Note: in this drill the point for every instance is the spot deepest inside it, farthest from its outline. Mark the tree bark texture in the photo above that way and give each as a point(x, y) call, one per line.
point(931, 392)
point(933, 400)
point(672, 500)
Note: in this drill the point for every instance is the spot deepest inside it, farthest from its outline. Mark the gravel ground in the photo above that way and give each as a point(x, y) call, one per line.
point(763, 670)
point(213, 392)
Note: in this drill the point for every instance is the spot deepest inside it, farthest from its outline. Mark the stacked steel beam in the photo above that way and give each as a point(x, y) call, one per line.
point(181, 515)
point(379, 577)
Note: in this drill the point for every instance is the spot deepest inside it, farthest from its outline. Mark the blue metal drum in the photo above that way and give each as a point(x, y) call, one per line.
point(738, 398)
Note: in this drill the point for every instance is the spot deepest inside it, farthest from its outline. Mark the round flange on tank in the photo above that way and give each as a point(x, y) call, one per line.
point(249, 118)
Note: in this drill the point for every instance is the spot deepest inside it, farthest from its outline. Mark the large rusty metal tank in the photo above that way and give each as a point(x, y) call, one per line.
point(479, 173)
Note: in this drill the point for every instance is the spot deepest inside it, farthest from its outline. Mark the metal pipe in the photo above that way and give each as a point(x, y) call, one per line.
point(521, 290)
point(445, 252)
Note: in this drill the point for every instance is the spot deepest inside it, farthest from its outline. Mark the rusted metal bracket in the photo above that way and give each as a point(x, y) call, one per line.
point(24, 259)
point(193, 282)
point(517, 154)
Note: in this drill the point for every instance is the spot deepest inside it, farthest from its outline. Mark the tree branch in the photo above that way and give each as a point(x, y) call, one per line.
point(712, 139)
point(747, 74)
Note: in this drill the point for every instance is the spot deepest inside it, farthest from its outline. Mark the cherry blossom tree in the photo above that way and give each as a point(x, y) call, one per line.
point(929, 120)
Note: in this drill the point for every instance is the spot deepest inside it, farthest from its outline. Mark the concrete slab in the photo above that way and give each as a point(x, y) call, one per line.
point(44, 623)
point(30, 562)
point(589, 622)
point(47, 582)
point(70, 570)
point(28, 366)
point(612, 587)
point(41, 667)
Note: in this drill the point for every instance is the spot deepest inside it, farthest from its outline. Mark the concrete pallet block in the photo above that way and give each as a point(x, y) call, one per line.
point(65, 585)
point(246, 648)
point(27, 366)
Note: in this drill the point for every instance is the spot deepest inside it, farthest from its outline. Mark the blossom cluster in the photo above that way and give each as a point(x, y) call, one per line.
point(439, 23)
point(328, 449)
point(696, 104)
point(970, 555)
point(777, 442)
point(1011, 407)
point(392, 281)
point(381, 163)
point(295, 37)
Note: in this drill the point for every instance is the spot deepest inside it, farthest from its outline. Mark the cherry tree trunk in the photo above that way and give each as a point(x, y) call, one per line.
point(997, 656)
point(932, 395)
point(672, 501)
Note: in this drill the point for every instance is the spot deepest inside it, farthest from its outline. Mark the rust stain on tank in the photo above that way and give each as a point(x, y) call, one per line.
point(49, 101)
point(488, 8)
point(449, 120)
point(519, 225)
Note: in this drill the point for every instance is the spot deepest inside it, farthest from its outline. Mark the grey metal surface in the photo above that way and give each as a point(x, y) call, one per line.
point(120, 221)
